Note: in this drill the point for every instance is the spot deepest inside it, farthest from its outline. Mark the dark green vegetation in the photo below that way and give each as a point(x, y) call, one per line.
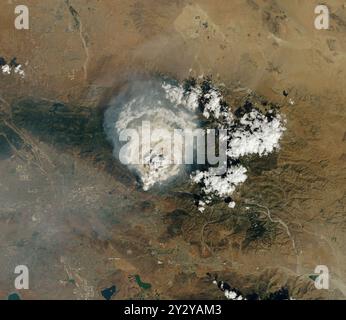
point(69, 128)
point(9, 140)
point(142, 284)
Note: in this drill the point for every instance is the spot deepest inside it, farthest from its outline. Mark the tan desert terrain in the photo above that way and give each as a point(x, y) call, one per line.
point(80, 223)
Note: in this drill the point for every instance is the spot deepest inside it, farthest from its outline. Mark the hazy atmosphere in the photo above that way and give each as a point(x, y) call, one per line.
point(95, 206)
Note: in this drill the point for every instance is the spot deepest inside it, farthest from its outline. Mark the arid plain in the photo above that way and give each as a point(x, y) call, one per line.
point(81, 224)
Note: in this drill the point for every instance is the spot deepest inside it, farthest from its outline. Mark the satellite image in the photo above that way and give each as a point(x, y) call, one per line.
point(172, 150)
